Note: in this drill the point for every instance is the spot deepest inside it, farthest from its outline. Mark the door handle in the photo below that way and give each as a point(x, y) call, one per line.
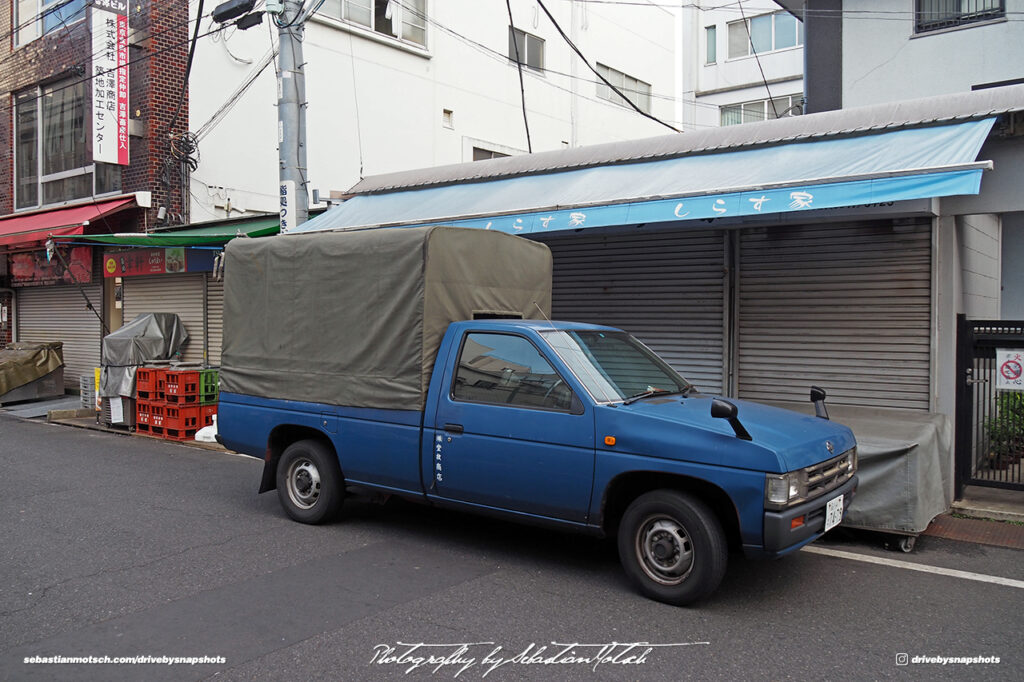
point(453, 428)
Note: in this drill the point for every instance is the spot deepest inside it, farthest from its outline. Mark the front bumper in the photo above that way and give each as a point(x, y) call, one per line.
point(779, 535)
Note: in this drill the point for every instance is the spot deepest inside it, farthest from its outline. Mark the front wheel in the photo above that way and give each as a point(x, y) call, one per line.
point(672, 547)
point(309, 482)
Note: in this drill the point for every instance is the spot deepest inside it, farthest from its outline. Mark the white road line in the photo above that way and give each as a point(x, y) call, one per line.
point(953, 573)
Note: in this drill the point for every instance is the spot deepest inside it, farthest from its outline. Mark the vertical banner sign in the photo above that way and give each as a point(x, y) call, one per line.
point(288, 212)
point(110, 81)
point(1010, 369)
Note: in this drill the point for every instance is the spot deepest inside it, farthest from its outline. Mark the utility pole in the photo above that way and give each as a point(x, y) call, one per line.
point(291, 115)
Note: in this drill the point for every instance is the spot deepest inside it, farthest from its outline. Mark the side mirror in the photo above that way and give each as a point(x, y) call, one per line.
point(818, 396)
point(723, 409)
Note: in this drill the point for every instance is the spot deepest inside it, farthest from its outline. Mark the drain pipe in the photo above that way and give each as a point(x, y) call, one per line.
point(12, 313)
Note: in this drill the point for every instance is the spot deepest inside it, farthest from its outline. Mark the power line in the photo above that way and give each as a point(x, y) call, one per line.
point(519, 67)
point(757, 58)
point(575, 49)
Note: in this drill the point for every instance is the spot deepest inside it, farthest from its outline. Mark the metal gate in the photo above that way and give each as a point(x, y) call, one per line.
point(989, 417)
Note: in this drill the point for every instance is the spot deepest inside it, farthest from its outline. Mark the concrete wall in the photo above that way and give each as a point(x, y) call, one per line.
point(979, 241)
point(884, 60)
point(376, 106)
point(1012, 307)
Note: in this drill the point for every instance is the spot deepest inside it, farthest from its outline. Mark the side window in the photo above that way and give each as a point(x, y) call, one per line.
point(505, 369)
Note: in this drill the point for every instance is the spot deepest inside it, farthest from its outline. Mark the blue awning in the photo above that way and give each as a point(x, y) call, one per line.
point(887, 166)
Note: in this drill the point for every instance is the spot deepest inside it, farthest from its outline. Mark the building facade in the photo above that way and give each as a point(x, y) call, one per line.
point(398, 85)
point(89, 92)
point(741, 62)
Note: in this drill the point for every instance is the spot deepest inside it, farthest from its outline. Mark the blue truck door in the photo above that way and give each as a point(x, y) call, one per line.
point(510, 434)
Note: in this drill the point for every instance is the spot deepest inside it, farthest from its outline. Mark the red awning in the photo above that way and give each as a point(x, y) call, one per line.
point(36, 227)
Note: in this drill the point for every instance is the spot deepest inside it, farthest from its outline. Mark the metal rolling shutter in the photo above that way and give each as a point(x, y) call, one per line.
point(845, 307)
point(181, 294)
point(59, 313)
point(215, 318)
point(666, 288)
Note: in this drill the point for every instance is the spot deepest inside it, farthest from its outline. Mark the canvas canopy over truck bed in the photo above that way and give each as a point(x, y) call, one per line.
point(24, 364)
point(355, 318)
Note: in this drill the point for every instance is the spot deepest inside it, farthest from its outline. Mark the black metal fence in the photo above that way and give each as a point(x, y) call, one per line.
point(989, 418)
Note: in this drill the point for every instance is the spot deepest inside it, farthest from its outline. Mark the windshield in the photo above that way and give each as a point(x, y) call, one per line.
point(614, 366)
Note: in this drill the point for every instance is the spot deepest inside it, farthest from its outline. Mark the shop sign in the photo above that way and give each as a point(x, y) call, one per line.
point(32, 268)
point(144, 262)
point(110, 81)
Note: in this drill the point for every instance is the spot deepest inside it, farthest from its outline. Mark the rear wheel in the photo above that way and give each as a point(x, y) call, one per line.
point(672, 546)
point(309, 482)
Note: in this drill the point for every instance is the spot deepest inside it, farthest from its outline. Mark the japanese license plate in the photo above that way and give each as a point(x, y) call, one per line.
point(833, 513)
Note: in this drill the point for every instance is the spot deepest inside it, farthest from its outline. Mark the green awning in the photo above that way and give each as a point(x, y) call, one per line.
point(210, 235)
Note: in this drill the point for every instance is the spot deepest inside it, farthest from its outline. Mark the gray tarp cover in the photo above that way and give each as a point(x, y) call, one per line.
point(148, 338)
point(356, 318)
point(23, 363)
point(904, 466)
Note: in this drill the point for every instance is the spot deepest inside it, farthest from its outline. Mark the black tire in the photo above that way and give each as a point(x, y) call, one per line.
point(309, 482)
point(672, 547)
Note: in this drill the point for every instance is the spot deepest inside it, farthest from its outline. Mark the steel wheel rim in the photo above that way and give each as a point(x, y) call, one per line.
point(664, 550)
point(303, 483)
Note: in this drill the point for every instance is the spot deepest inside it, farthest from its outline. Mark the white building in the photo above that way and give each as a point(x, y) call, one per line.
point(741, 62)
point(441, 89)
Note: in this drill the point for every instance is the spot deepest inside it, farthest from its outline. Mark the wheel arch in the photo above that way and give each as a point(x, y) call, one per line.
point(626, 487)
point(280, 438)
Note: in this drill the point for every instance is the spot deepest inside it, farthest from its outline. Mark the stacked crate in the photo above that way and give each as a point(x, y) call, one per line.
point(173, 403)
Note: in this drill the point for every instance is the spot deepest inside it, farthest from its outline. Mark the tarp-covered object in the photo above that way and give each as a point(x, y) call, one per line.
point(23, 363)
point(150, 337)
point(904, 467)
point(356, 318)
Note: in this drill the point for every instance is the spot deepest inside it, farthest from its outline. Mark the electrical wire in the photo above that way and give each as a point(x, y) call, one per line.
point(519, 66)
point(188, 66)
point(575, 49)
point(757, 58)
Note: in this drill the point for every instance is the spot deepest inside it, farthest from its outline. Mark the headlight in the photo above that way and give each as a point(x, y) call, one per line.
point(852, 466)
point(781, 490)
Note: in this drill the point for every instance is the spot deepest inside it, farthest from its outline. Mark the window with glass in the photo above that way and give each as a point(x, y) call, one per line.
point(402, 19)
point(761, 110)
point(52, 158)
point(530, 47)
point(59, 13)
point(933, 15)
point(710, 44)
point(636, 91)
point(614, 366)
point(764, 33)
point(504, 369)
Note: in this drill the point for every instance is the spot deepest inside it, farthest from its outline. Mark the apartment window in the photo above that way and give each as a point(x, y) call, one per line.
point(33, 18)
point(761, 110)
point(531, 48)
point(52, 161)
point(59, 13)
point(402, 19)
point(764, 33)
point(933, 15)
point(481, 154)
point(635, 90)
point(710, 44)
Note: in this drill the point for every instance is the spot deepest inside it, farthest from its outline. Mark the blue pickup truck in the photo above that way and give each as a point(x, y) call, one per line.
point(572, 425)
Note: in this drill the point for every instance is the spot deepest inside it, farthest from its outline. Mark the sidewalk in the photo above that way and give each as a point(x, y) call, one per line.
point(986, 516)
point(58, 417)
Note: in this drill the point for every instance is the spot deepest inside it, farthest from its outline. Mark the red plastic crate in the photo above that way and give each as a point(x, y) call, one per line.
point(143, 413)
point(180, 434)
point(181, 383)
point(161, 383)
point(145, 379)
point(180, 417)
point(157, 415)
point(206, 414)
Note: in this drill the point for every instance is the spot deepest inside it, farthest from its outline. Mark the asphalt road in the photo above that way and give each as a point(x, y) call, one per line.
point(121, 546)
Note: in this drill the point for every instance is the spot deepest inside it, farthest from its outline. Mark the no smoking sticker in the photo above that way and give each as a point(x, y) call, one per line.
point(1011, 369)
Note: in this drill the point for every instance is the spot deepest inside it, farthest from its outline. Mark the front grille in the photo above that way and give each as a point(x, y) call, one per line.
point(830, 474)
